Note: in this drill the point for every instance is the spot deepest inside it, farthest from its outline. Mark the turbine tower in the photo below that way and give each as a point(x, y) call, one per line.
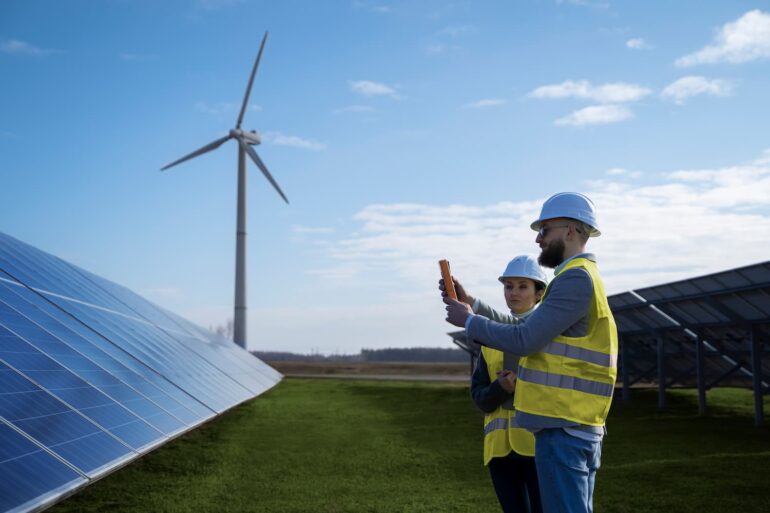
point(245, 142)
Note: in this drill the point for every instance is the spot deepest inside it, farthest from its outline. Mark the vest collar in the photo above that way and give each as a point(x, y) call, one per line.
point(561, 266)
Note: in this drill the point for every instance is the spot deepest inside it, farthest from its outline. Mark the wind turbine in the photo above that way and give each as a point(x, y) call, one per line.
point(245, 142)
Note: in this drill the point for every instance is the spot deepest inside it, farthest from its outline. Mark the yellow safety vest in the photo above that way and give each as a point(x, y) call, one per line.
point(501, 435)
point(572, 378)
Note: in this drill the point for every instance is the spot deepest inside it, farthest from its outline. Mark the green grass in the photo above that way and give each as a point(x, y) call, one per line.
point(365, 446)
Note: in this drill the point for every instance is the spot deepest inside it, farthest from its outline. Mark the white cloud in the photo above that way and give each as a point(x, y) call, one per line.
point(486, 103)
point(745, 39)
point(596, 115)
point(687, 223)
point(16, 47)
point(614, 92)
point(280, 139)
point(369, 88)
point(638, 43)
point(687, 87)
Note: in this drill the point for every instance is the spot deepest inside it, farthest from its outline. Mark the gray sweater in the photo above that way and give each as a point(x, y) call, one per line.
point(564, 311)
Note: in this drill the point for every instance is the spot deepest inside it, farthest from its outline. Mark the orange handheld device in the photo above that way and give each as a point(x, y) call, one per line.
point(449, 285)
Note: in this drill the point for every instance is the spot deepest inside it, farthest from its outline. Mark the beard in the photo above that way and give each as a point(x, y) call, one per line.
point(552, 255)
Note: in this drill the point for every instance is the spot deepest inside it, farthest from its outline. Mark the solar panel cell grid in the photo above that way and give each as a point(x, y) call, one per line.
point(732, 279)
point(62, 355)
point(118, 362)
point(29, 475)
point(220, 353)
point(684, 288)
point(150, 345)
point(744, 305)
point(757, 273)
point(694, 313)
point(56, 425)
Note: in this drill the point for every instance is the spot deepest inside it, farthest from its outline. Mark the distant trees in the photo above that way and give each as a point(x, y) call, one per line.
point(396, 354)
point(414, 354)
point(224, 330)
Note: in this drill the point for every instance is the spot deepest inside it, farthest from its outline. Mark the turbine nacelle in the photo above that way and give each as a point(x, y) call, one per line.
point(251, 137)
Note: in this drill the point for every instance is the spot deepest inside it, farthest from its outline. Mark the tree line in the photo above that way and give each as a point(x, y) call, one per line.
point(391, 354)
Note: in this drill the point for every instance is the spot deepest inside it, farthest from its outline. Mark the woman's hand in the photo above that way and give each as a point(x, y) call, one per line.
point(507, 380)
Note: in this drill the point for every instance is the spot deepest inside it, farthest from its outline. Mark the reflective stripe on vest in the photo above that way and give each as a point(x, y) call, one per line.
point(502, 433)
point(580, 353)
point(569, 382)
point(495, 424)
point(501, 424)
point(573, 378)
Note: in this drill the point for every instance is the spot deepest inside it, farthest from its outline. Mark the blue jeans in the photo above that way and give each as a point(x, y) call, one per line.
point(566, 471)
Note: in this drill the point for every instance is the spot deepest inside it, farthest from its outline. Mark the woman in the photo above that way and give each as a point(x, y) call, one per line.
point(508, 450)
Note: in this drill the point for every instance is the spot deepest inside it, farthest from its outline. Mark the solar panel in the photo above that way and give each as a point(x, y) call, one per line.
point(717, 325)
point(93, 375)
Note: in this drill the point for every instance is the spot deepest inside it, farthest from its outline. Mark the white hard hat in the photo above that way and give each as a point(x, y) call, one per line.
point(572, 205)
point(524, 266)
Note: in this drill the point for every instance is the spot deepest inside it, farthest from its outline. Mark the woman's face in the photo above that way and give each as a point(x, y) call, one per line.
point(520, 294)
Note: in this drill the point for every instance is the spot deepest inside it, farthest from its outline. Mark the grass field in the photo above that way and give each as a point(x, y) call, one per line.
point(325, 445)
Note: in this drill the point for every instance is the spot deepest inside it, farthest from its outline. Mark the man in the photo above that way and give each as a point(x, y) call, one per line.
point(569, 348)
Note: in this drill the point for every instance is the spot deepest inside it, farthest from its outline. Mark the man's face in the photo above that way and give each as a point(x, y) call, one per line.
point(550, 238)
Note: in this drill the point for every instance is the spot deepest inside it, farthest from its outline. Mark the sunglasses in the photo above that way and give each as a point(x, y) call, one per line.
point(544, 229)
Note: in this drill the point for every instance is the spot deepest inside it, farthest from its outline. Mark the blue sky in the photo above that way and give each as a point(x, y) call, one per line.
point(402, 133)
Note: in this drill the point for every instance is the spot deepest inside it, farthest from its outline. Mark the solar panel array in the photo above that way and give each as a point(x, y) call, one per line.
point(93, 376)
point(725, 310)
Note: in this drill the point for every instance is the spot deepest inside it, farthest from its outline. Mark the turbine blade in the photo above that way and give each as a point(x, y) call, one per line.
point(251, 81)
point(258, 161)
point(210, 146)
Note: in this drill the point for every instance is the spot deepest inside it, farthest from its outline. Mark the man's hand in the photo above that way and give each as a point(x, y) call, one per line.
point(457, 312)
point(461, 294)
point(507, 380)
